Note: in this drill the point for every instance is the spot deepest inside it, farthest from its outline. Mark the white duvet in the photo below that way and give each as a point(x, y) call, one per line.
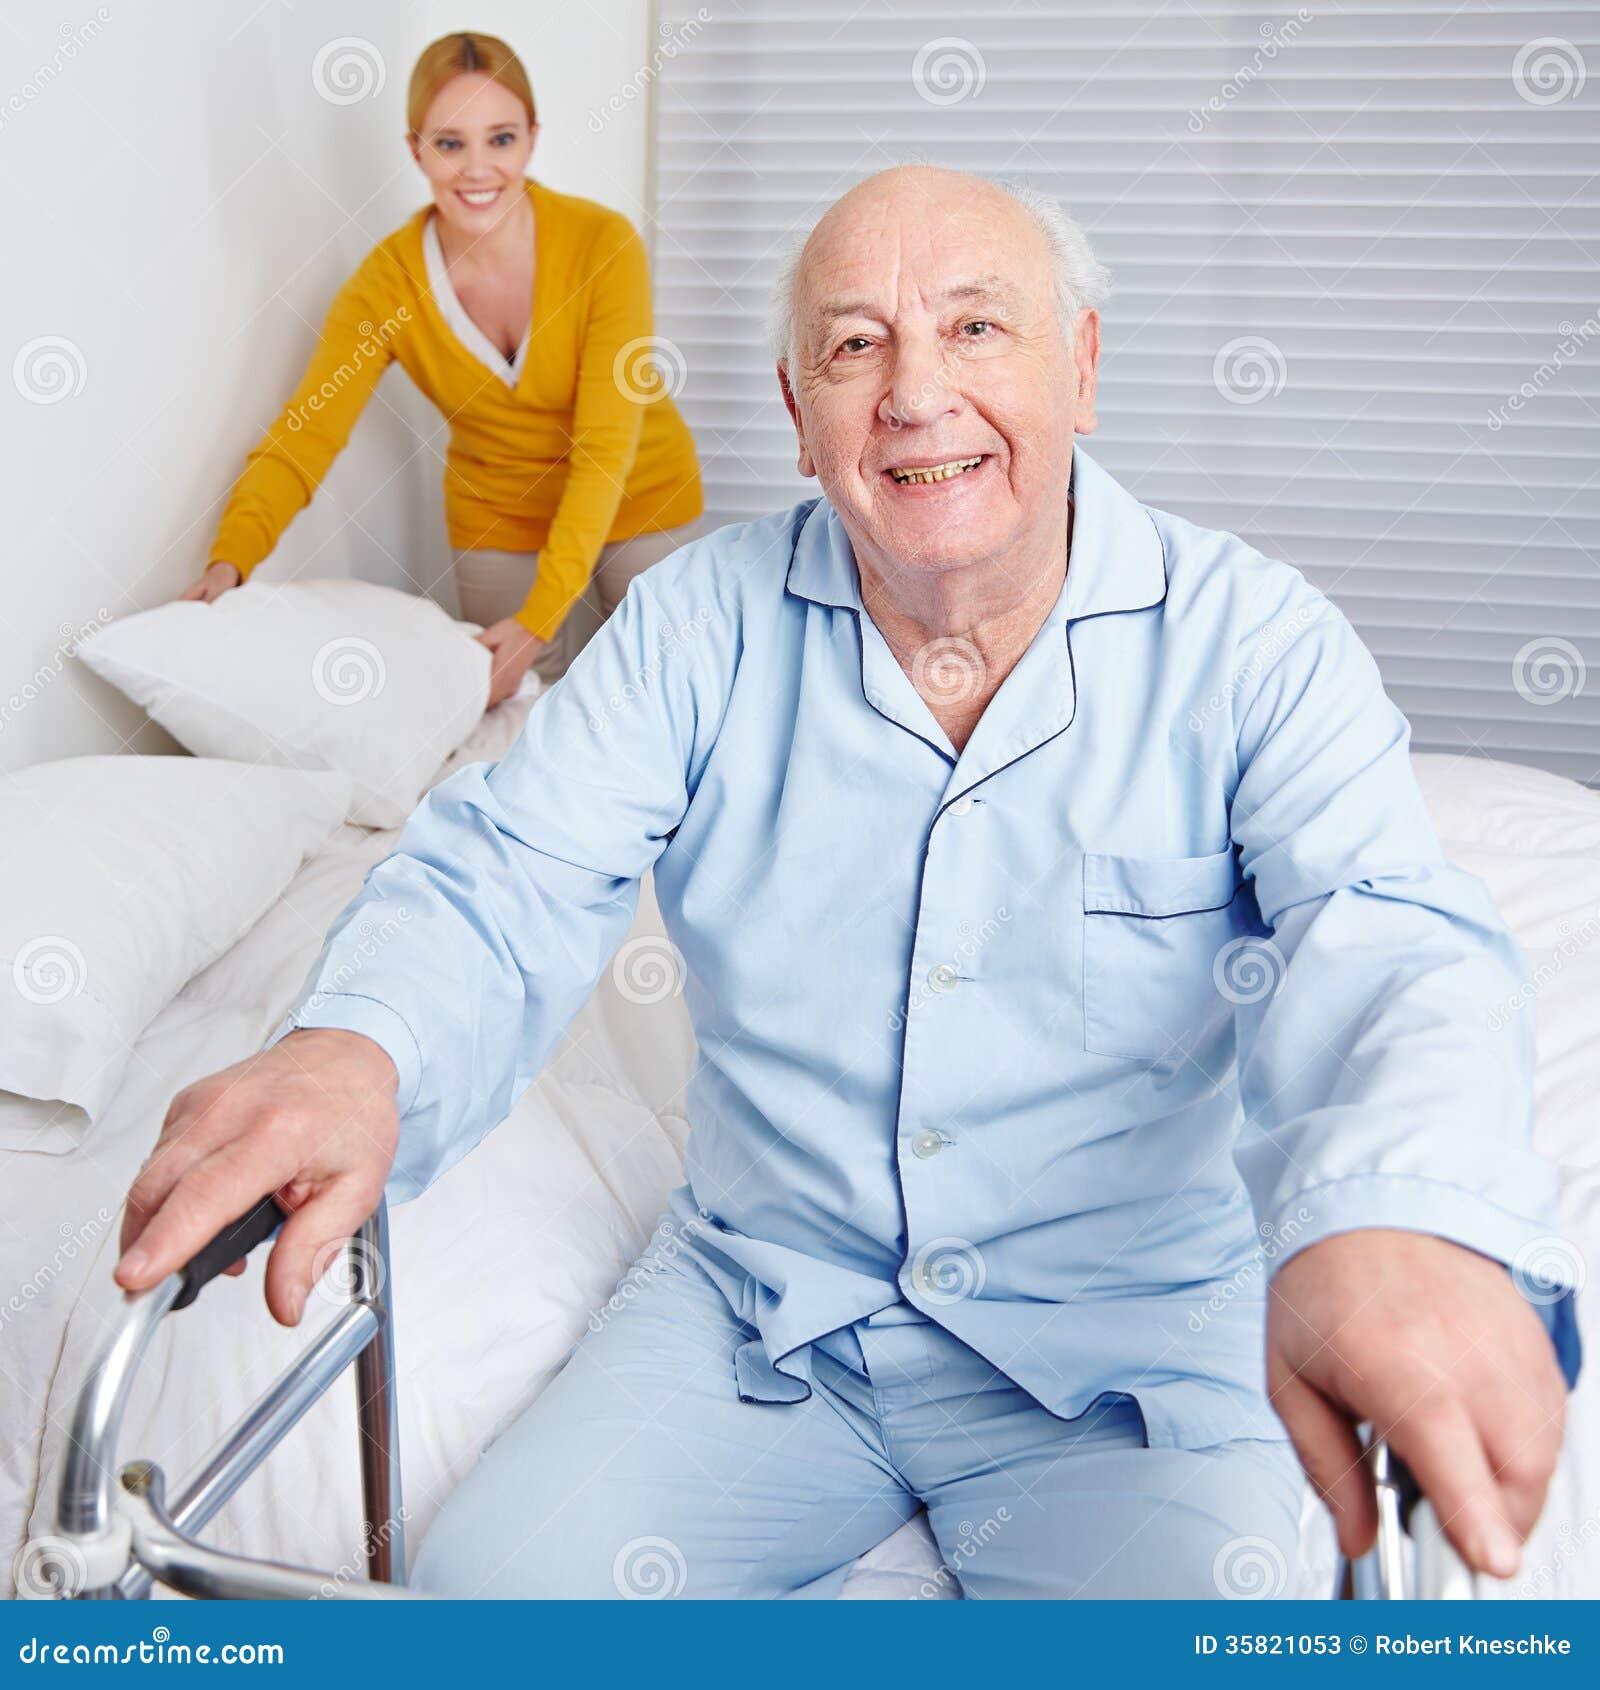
point(499, 1264)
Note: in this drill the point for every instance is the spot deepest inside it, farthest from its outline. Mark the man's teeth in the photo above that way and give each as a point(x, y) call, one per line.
point(936, 472)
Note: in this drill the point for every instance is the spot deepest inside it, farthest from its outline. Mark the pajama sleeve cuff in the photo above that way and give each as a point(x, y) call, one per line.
point(349, 1012)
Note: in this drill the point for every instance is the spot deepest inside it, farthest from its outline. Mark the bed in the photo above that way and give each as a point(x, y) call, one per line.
point(498, 1266)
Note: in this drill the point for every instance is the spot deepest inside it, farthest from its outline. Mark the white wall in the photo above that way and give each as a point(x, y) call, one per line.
point(180, 202)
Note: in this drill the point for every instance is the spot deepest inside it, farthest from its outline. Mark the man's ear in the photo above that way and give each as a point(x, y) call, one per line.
point(805, 465)
point(1086, 360)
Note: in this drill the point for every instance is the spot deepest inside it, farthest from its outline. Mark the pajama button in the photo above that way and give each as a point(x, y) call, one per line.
point(942, 977)
point(961, 806)
point(927, 1144)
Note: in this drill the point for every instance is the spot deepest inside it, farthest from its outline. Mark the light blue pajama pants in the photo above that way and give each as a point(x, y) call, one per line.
point(639, 1472)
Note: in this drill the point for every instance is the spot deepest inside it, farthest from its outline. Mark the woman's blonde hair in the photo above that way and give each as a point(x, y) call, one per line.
point(454, 55)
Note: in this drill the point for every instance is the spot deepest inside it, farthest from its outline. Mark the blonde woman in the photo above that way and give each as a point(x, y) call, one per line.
point(524, 315)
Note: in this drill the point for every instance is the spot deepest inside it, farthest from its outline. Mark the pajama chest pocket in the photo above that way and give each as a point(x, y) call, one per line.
point(1152, 930)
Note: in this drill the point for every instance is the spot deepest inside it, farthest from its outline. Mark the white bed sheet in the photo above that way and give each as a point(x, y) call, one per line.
point(499, 1264)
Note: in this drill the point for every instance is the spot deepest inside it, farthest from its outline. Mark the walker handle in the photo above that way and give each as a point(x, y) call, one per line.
point(235, 1241)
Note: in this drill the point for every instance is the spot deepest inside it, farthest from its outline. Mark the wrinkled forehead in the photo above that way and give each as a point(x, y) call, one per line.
point(887, 260)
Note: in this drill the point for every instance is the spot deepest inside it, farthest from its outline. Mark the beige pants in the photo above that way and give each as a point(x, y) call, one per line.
point(493, 585)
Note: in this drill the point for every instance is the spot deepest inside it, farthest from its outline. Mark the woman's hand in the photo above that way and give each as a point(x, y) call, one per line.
point(218, 579)
point(513, 649)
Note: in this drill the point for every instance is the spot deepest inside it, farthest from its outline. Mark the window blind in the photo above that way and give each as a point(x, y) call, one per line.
point(1356, 305)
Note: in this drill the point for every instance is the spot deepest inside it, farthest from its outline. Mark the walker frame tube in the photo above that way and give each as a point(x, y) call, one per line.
point(1411, 1557)
point(119, 1525)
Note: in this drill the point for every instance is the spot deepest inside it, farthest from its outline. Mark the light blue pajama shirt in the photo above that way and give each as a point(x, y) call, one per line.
point(1067, 1041)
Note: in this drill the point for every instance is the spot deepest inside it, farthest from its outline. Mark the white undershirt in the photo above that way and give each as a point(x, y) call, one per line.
point(455, 313)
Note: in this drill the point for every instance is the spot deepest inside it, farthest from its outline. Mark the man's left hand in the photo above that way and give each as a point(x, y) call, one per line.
point(1436, 1347)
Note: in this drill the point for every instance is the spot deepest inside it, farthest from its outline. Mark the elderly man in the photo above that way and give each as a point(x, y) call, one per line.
point(1071, 960)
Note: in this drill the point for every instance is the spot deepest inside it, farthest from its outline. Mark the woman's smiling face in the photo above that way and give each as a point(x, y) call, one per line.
point(474, 148)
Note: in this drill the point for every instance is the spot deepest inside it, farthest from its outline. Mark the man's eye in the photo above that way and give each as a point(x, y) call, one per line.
point(977, 324)
point(853, 343)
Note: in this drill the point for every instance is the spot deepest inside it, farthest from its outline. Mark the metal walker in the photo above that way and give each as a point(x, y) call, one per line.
point(127, 1534)
point(120, 1522)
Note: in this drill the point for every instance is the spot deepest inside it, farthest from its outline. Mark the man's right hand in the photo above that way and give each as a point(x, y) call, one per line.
point(312, 1120)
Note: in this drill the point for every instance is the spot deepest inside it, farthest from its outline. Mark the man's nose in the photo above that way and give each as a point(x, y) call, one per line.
point(923, 385)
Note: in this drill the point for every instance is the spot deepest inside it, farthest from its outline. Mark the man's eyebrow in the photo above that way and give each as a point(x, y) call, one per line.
point(979, 287)
point(969, 287)
point(831, 308)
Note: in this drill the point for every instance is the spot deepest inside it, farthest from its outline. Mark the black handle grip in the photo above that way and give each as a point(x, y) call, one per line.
point(237, 1239)
point(1410, 1492)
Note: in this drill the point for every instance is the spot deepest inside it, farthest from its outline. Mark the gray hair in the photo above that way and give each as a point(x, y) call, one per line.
point(1081, 280)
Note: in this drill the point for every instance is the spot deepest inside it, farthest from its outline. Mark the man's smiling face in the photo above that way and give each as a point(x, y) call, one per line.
point(933, 385)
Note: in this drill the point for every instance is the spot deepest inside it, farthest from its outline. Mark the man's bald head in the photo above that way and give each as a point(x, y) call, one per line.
point(1028, 221)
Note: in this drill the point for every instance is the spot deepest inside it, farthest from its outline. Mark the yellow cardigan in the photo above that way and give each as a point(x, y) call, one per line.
point(584, 450)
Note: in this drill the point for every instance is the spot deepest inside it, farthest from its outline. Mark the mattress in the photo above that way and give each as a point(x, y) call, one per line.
point(498, 1266)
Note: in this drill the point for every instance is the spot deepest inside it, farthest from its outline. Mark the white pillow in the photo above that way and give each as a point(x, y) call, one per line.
point(1508, 806)
point(125, 876)
point(308, 675)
